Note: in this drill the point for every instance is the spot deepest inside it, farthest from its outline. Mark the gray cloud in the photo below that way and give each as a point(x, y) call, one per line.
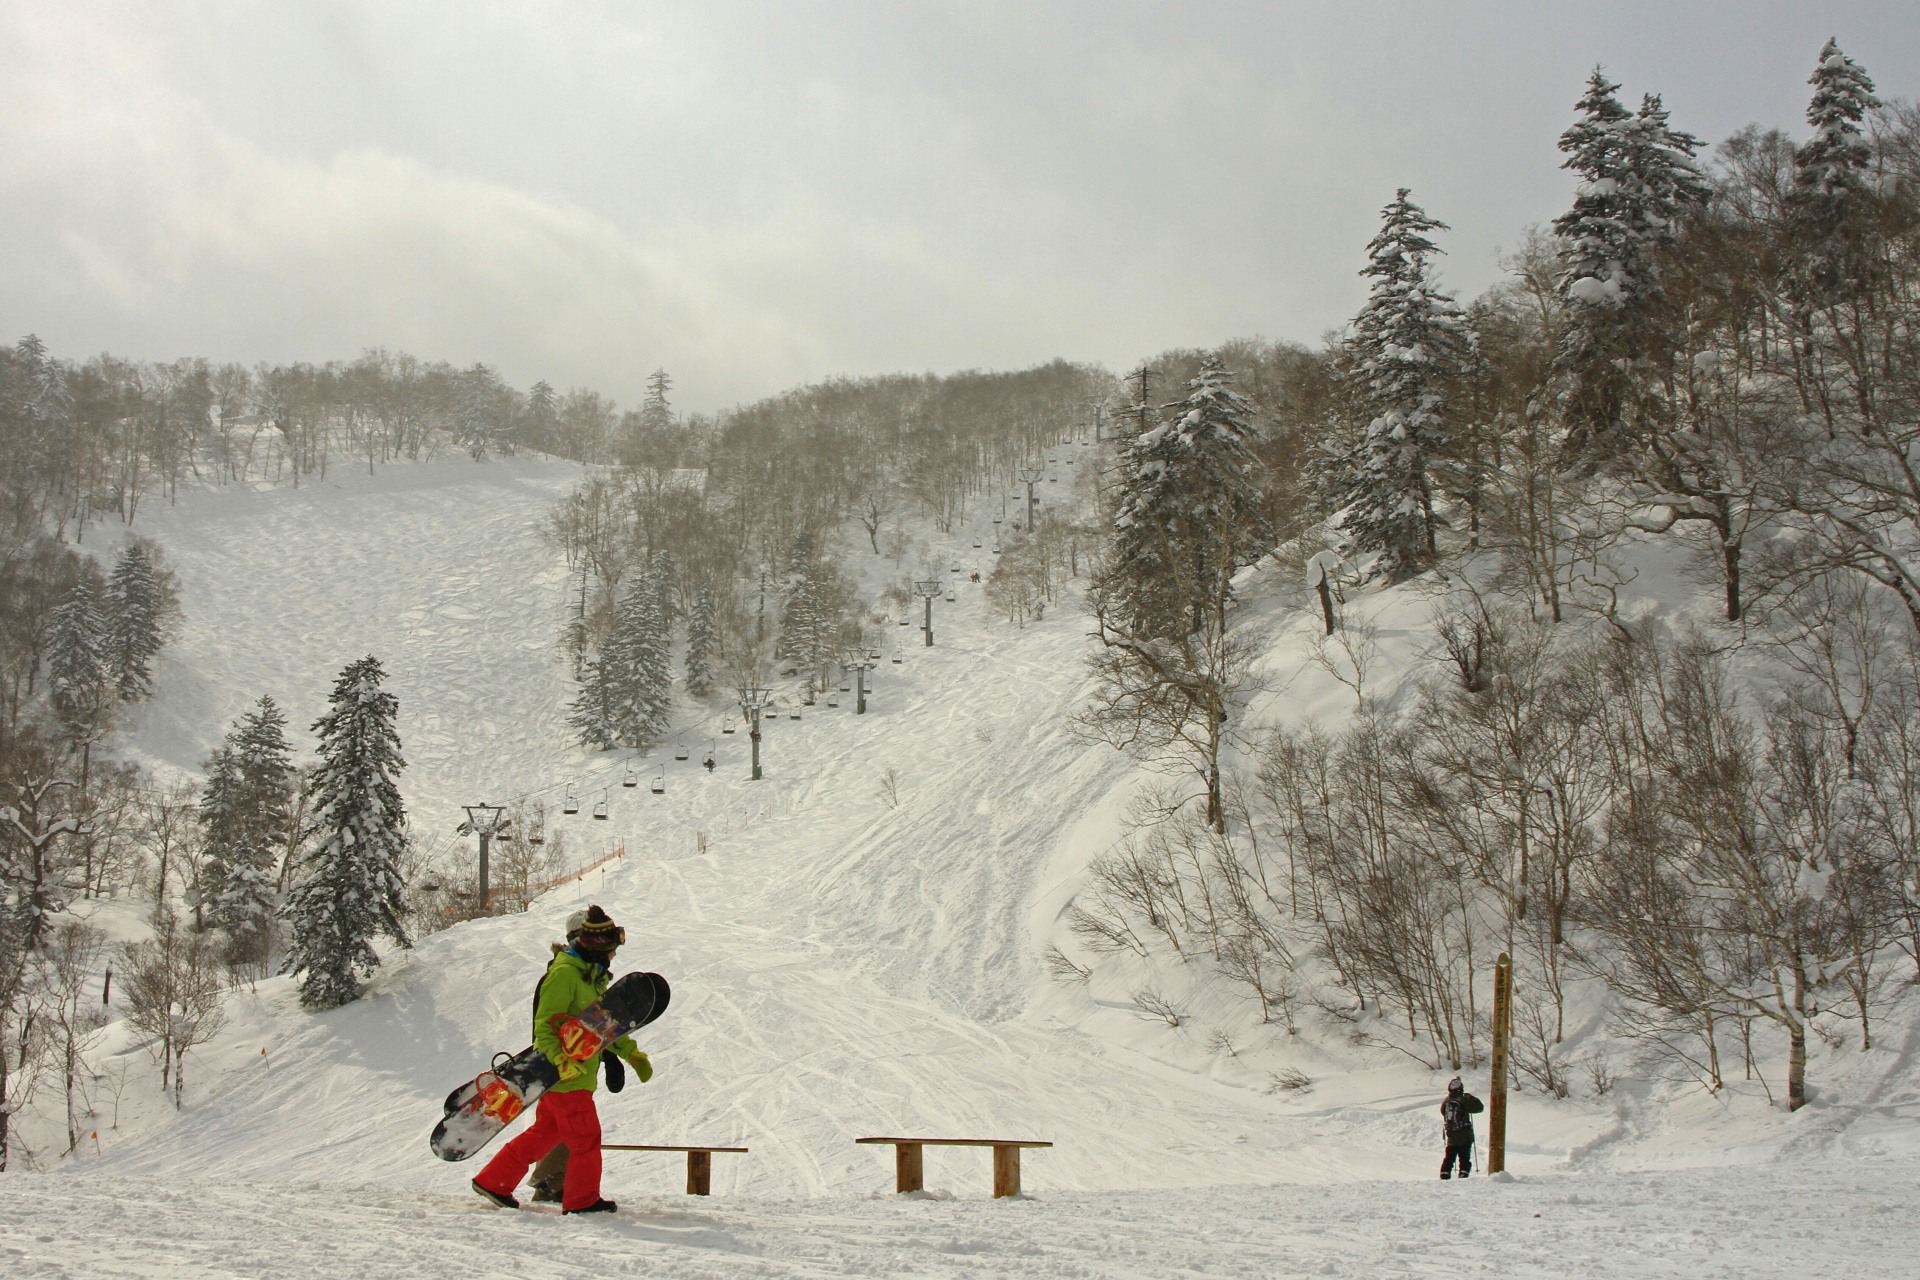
point(754, 195)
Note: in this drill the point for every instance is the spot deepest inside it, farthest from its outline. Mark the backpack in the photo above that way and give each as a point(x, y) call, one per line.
point(1456, 1118)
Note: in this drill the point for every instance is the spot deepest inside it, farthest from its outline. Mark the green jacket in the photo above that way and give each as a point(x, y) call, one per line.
point(570, 985)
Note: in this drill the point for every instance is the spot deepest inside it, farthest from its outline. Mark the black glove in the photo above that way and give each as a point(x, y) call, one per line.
point(616, 1073)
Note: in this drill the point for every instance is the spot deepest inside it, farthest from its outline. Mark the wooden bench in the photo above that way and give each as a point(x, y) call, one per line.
point(1006, 1160)
point(699, 1163)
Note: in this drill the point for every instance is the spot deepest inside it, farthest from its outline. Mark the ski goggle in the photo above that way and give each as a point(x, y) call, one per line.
point(602, 940)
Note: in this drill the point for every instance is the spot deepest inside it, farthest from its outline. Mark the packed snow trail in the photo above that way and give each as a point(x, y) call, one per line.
point(1772, 1223)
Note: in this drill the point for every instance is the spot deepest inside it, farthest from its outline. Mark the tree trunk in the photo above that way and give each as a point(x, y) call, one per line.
point(1730, 558)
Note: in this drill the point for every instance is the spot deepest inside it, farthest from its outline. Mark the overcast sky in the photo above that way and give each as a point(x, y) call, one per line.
point(754, 195)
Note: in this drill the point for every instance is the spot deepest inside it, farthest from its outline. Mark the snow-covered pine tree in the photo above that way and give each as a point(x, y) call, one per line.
point(1189, 512)
point(801, 555)
point(542, 421)
point(1829, 204)
point(136, 608)
point(245, 806)
point(222, 826)
point(807, 626)
point(653, 663)
point(1168, 668)
point(656, 413)
point(1406, 347)
point(701, 640)
point(267, 779)
point(78, 676)
point(477, 401)
point(591, 716)
point(1638, 180)
point(802, 624)
point(244, 910)
point(348, 887)
point(636, 666)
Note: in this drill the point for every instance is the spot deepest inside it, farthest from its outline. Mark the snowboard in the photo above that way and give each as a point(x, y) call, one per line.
point(478, 1110)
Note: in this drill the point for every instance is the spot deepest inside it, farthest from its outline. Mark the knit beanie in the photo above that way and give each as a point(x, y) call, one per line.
point(598, 932)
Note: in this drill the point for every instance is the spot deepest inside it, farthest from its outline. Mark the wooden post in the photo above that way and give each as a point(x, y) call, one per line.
point(699, 1173)
point(1006, 1172)
point(1497, 1103)
point(906, 1167)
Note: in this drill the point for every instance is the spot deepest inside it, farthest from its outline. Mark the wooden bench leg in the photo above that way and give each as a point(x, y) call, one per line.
point(1006, 1172)
point(699, 1173)
point(906, 1167)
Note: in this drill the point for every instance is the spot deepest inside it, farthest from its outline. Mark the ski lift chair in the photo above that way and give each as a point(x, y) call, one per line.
point(680, 751)
point(726, 726)
point(632, 779)
point(660, 780)
point(571, 804)
point(600, 808)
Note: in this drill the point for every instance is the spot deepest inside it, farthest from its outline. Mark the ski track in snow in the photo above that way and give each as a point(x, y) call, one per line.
point(840, 967)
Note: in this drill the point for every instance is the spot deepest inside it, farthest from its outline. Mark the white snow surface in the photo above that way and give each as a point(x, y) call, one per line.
point(843, 967)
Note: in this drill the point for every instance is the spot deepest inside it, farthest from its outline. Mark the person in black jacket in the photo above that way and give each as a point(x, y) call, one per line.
point(1457, 1114)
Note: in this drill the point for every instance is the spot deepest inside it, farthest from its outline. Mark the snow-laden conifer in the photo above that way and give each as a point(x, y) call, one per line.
point(656, 411)
point(1638, 179)
point(591, 715)
point(1189, 510)
point(245, 807)
point(136, 608)
point(77, 669)
point(348, 888)
point(1831, 197)
point(1407, 344)
point(805, 629)
point(478, 400)
point(701, 639)
point(635, 668)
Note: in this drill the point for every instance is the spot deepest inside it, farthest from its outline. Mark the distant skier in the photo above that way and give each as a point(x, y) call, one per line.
point(708, 762)
point(1457, 1114)
point(565, 1113)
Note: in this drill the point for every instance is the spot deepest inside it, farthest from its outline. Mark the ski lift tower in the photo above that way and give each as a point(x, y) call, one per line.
point(928, 590)
point(753, 700)
point(485, 821)
point(1030, 476)
point(856, 660)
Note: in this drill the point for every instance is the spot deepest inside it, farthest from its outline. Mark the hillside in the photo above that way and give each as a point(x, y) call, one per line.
point(845, 963)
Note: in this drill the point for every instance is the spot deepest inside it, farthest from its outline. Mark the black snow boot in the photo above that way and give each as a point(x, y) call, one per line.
point(598, 1206)
point(494, 1197)
point(544, 1194)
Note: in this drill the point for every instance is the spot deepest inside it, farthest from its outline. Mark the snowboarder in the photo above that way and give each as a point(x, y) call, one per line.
point(1457, 1114)
point(565, 1114)
point(549, 1177)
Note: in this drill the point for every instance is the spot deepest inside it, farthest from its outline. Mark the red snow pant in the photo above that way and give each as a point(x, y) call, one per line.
point(558, 1117)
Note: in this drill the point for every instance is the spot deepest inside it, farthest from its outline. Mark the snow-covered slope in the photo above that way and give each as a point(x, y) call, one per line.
point(844, 963)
